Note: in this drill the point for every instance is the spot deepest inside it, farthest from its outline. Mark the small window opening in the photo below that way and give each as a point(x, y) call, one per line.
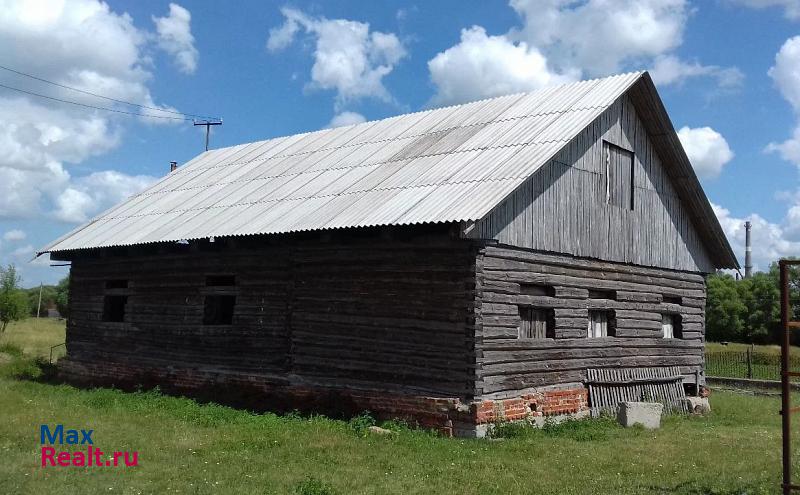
point(602, 294)
point(601, 324)
point(672, 299)
point(536, 323)
point(220, 280)
point(671, 326)
point(536, 290)
point(116, 284)
point(114, 308)
point(218, 310)
point(619, 170)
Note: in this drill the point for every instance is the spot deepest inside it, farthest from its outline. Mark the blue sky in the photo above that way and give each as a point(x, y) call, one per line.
point(728, 71)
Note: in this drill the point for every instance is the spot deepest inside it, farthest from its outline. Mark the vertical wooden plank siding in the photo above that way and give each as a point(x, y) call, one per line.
point(563, 207)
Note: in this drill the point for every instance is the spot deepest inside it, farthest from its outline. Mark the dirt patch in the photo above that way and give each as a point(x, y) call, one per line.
point(5, 358)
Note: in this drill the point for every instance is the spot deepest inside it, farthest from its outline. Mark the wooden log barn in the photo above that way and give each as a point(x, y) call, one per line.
point(453, 267)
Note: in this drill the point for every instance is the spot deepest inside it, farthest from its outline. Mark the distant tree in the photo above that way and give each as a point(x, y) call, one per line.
point(48, 293)
point(13, 301)
point(724, 308)
point(761, 297)
point(62, 296)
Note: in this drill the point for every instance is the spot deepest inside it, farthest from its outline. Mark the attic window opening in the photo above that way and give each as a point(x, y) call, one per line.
point(536, 323)
point(672, 299)
point(619, 171)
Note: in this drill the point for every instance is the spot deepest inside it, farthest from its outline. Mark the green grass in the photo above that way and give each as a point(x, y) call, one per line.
point(738, 347)
point(35, 336)
point(185, 447)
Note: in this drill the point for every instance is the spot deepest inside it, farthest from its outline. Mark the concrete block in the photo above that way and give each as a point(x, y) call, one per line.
point(647, 414)
point(698, 405)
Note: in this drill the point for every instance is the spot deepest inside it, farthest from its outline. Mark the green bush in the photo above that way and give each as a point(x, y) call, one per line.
point(361, 423)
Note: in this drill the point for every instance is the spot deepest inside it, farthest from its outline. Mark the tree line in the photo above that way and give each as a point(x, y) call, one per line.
point(17, 303)
point(748, 310)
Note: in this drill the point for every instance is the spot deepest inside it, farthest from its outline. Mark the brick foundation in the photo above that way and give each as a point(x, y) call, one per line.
point(449, 415)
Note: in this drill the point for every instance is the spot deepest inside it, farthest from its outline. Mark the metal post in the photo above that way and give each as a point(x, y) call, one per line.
point(39, 307)
point(785, 399)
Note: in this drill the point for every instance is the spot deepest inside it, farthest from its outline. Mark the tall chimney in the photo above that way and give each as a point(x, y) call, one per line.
point(173, 166)
point(748, 251)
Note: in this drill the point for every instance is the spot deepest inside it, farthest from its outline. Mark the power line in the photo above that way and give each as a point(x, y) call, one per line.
point(183, 119)
point(104, 97)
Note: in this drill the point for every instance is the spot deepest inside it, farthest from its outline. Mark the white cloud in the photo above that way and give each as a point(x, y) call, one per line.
point(786, 71)
point(771, 241)
point(481, 66)
point(600, 36)
point(707, 150)
point(346, 118)
point(791, 8)
point(41, 140)
point(669, 69)
point(22, 252)
point(786, 75)
point(14, 235)
point(563, 40)
point(175, 37)
point(348, 57)
point(789, 149)
point(89, 195)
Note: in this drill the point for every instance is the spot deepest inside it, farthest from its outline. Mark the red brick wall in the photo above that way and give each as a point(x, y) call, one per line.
point(545, 403)
point(263, 393)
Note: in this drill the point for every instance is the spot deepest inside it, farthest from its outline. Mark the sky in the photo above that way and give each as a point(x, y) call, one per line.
point(727, 70)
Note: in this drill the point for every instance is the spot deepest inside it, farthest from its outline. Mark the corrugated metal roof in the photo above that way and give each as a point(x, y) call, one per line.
point(443, 165)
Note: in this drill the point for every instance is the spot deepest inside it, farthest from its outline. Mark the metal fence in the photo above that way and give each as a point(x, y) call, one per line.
point(747, 364)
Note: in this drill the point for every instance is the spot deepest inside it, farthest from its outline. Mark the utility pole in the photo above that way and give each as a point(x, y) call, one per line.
point(208, 124)
point(39, 307)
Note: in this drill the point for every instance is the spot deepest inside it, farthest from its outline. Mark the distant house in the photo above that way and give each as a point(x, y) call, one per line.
point(453, 266)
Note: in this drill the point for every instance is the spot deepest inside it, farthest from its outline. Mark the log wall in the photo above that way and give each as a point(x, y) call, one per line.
point(371, 314)
point(507, 365)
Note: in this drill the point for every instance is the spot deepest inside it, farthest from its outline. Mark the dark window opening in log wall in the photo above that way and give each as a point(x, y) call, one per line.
point(602, 294)
point(116, 284)
point(619, 176)
point(218, 310)
point(672, 300)
point(671, 326)
point(114, 308)
point(220, 280)
point(601, 324)
point(536, 323)
point(536, 290)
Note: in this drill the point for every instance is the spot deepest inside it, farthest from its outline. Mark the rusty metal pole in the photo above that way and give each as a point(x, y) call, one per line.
point(785, 400)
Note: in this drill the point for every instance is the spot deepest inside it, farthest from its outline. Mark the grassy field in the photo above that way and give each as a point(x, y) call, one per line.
point(35, 335)
point(737, 347)
point(185, 447)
